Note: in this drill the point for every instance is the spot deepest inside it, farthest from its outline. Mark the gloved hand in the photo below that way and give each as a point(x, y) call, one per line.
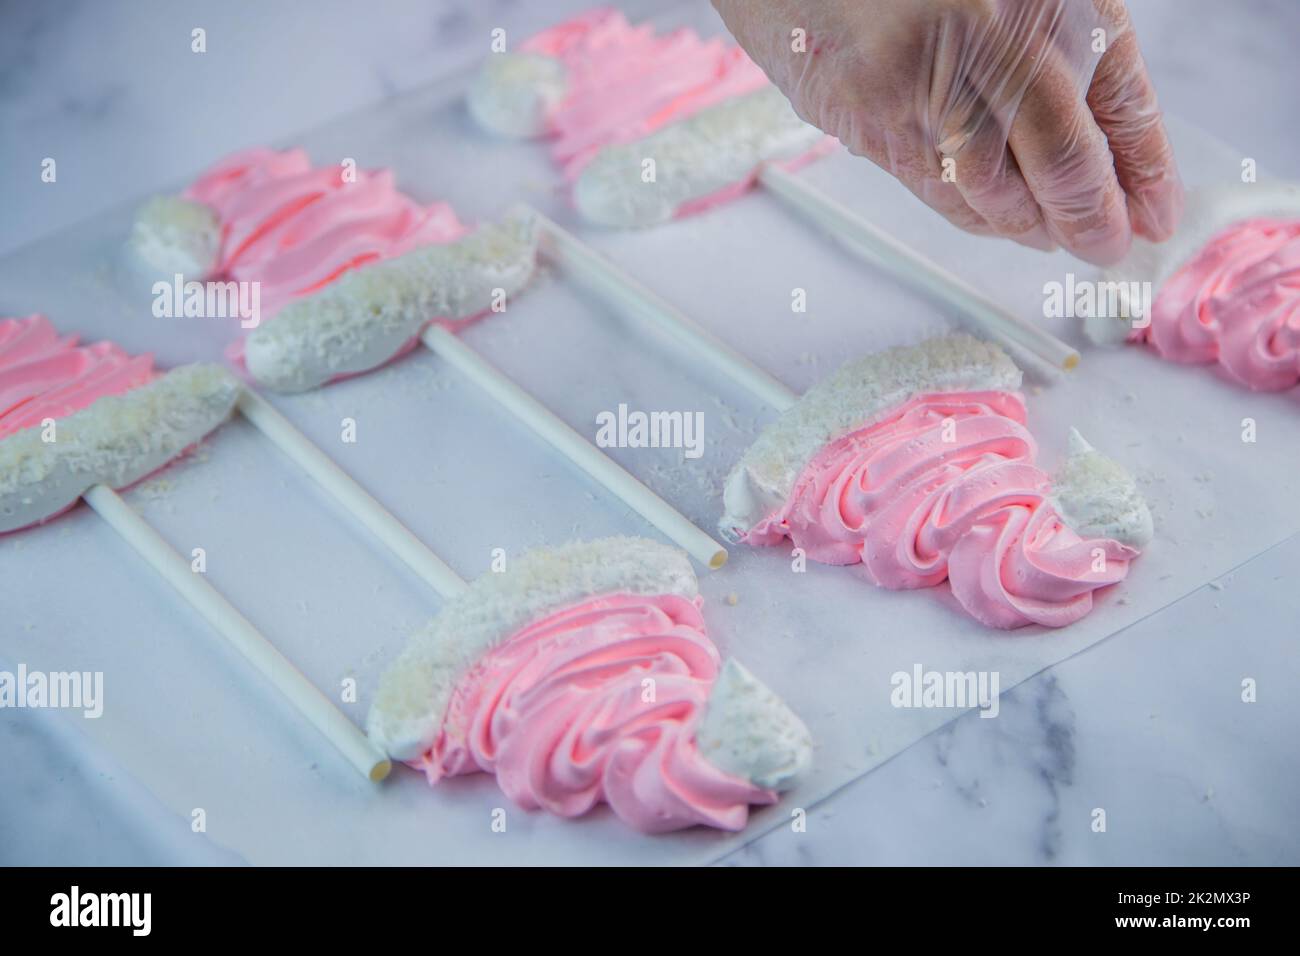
point(1044, 108)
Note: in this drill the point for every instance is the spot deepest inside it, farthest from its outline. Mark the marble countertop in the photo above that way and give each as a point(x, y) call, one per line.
point(1148, 725)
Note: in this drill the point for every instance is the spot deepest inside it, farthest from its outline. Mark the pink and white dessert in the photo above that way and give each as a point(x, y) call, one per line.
point(1226, 287)
point(915, 465)
point(74, 416)
point(350, 269)
point(583, 675)
point(613, 97)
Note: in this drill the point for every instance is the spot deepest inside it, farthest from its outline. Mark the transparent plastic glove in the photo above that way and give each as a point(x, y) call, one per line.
point(1031, 119)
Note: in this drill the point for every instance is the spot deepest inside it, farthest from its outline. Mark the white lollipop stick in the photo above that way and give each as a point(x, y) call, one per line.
point(880, 248)
point(621, 290)
point(576, 448)
point(359, 503)
point(234, 627)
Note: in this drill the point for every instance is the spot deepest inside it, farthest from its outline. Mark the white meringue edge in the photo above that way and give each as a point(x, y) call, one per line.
point(718, 147)
point(749, 732)
point(173, 235)
point(1097, 497)
point(115, 441)
point(369, 314)
point(514, 94)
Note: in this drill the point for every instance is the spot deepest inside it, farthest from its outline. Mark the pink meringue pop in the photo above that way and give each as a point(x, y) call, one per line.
point(1224, 291)
point(915, 465)
point(349, 269)
point(584, 675)
point(1237, 303)
point(74, 416)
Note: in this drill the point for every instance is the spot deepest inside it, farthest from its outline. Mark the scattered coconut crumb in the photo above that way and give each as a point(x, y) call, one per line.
point(157, 488)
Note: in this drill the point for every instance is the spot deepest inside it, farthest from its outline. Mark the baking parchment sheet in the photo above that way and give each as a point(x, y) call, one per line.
point(192, 722)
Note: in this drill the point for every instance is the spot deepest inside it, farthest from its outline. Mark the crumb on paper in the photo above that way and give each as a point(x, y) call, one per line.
point(156, 488)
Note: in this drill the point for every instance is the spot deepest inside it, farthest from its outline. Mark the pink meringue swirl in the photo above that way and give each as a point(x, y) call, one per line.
point(624, 82)
point(559, 712)
point(1237, 302)
point(945, 487)
point(44, 375)
point(295, 229)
